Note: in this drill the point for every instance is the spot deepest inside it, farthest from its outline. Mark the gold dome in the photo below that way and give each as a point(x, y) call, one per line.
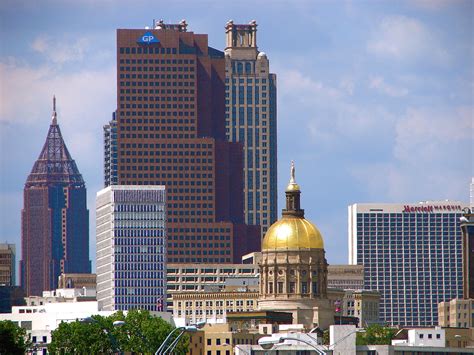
point(293, 186)
point(292, 233)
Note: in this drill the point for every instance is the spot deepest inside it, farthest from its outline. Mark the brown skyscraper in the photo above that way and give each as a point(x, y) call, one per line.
point(55, 219)
point(170, 128)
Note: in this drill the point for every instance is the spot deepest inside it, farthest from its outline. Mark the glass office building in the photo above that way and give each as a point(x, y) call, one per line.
point(412, 254)
point(131, 248)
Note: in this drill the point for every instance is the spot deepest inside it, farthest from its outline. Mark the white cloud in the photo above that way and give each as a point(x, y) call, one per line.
point(81, 96)
point(434, 4)
point(428, 135)
point(431, 157)
point(378, 83)
point(329, 112)
point(406, 39)
point(60, 51)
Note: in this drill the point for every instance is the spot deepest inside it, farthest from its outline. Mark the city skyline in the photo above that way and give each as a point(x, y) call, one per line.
point(388, 83)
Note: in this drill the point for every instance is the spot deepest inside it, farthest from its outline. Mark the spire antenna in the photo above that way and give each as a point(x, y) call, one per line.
point(54, 118)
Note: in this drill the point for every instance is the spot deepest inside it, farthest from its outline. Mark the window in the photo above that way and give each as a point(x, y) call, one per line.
point(208, 341)
point(280, 287)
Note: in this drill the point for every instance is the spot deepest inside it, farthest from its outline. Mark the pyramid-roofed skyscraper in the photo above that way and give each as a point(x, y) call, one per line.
point(55, 219)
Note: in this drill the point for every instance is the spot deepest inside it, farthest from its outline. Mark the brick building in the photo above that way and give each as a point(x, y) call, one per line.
point(170, 130)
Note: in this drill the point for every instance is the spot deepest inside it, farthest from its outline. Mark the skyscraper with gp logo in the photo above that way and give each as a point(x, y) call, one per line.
point(251, 119)
point(412, 254)
point(170, 130)
point(55, 219)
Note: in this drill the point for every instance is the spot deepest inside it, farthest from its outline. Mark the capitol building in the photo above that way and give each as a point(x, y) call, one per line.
point(293, 268)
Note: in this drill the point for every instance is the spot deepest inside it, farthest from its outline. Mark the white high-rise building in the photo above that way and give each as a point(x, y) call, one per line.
point(131, 247)
point(412, 255)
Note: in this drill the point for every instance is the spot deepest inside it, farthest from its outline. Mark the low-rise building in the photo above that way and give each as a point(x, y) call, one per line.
point(40, 320)
point(363, 305)
point(457, 312)
point(347, 277)
point(77, 281)
point(211, 307)
point(203, 277)
point(432, 337)
point(62, 295)
point(221, 340)
point(459, 337)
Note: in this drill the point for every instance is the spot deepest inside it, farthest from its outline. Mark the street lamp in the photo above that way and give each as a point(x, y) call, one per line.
point(189, 328)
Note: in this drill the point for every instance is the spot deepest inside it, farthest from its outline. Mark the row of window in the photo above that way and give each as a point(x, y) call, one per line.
point(162, 92)
point(175, 146)
point(151, 50)
point(157, 98)
point(169, 94)
point(199, 252)
point(242, 81)
point(199, 260)
point(157, 136)
point(156, 61)
point(155, 68)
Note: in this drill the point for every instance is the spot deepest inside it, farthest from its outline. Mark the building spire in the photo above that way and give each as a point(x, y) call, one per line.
point(292, 172)
point(293, 192)
point(54, 118)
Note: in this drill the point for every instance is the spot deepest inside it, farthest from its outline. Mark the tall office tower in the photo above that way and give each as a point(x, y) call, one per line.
point(467, 228)
point(171, 131)
point(55, 219)
point(110, 152)
point(412, 255)
point(251, 118)
point(131, 248)
point(7, 264)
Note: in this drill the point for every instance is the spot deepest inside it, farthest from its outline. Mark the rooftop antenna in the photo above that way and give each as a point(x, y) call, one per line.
point(54, 118)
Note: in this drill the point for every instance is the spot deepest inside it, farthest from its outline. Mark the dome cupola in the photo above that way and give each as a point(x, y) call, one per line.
point(292, 231)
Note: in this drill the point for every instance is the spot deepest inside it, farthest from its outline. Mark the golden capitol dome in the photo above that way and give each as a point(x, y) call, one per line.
point(292, 231)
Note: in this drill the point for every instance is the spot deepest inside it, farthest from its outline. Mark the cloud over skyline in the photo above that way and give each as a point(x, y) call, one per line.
point(374, 99)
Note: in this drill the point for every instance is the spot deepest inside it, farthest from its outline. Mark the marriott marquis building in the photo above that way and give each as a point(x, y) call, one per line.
point(412, 254)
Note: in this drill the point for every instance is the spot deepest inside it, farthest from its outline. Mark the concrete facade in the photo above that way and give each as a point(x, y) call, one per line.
point(131, 247)
point(251, 119)
point(456, 313)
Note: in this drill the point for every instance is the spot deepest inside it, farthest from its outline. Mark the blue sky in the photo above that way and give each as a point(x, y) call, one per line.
point(375, 99)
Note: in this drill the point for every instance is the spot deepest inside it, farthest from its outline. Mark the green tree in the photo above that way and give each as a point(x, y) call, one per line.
point(141, 333)
point(13, 339)
point(376, 335)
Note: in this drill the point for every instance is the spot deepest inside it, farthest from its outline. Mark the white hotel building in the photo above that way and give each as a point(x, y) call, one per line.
point(131, 248)
point(412, 254)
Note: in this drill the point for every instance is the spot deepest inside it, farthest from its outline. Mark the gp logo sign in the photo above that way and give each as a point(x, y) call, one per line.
point(148, 38)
